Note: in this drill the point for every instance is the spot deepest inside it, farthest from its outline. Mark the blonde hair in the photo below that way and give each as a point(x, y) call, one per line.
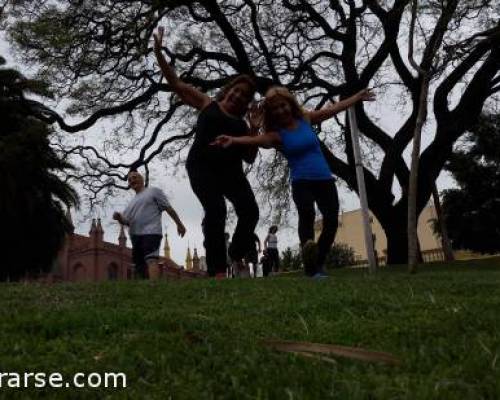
point(279, 91)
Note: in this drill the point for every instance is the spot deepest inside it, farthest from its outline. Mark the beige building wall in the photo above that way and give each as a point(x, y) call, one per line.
point(350, 232)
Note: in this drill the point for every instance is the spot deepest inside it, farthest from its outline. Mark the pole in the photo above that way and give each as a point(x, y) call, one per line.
point(360, 177)
point(445, 241)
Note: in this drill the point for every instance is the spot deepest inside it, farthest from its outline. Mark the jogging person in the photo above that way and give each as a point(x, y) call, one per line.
point(143, 217)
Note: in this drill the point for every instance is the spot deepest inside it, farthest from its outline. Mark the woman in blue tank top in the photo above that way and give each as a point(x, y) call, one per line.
point(287, 127)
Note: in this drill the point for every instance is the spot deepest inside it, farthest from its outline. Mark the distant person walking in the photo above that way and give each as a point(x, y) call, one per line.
point(271, 245)
point(266, 263)
point(143, 217)
point(252, 257)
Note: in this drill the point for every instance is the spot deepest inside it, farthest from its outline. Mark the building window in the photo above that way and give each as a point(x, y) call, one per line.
point(113, 272)
point(79, 272)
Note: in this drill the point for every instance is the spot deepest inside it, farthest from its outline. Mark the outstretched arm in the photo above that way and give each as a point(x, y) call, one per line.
point(327, 112)
point(181, 230)
point(265, 140)
point(188, 94)
point(164, 205)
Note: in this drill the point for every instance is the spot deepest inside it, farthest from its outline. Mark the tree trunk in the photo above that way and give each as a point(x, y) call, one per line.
point(413, 252)
point(397, 242)
point(394, 223)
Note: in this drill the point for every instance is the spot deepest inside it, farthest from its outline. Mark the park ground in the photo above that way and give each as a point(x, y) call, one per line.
point(205, 339)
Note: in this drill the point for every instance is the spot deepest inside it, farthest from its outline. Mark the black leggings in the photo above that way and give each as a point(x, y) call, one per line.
point(274, 256)
point(211, 186)
point(324, 193)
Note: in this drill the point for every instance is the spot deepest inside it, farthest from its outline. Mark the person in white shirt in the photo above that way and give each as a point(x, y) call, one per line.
point(143, 217)
point(271, 247)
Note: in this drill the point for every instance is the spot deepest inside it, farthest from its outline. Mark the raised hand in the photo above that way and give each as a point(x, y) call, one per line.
point(158, 37)
point(366, 95)
point(181, 230)
point(255, 117)
point(119, 217)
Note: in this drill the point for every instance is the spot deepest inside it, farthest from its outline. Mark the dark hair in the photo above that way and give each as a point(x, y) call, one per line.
point(273, 229)
point(134, 167)
point(244, 78)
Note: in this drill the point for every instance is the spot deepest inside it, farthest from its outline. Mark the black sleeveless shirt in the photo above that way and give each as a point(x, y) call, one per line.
point(212, 122)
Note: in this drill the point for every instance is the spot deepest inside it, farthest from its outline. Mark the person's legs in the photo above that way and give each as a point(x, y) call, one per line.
point(151, 249)
point(326, 196)
point(304, 201)
point(266, 266)
point(240, 194)
point(138, 256)
point(153, 269)
point(252, 259)
point(205, 185)
point(275, 259)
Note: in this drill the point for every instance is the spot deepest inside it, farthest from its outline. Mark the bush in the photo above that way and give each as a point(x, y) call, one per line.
point(340, 255)
point(290, 260)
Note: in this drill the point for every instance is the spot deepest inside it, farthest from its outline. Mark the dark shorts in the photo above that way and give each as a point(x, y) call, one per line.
point(252, 257)
point(144, 248)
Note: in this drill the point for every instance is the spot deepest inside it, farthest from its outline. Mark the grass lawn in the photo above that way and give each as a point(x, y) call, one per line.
point(203, 339)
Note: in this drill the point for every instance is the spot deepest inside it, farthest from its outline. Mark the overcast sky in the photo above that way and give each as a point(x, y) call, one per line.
point(185, 202)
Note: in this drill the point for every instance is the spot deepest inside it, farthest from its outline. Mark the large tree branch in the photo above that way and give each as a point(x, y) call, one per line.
point(436, 39)
point(459, 72)
point(263, 47)
point(244, 64)
point(203, 55)
point(50, 116)
point(471, 103)
point(306, 7)
point(154, 136)
point(393, 162)
point(462, 118)
point(391, 22)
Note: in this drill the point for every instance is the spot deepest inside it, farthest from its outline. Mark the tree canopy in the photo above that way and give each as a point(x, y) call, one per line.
point(472, 211)
point(34, 222)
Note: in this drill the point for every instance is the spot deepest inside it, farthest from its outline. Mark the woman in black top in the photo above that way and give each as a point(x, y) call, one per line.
point(216, 173)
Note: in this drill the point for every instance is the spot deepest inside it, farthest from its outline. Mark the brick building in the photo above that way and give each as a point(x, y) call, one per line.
point(91, 259)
